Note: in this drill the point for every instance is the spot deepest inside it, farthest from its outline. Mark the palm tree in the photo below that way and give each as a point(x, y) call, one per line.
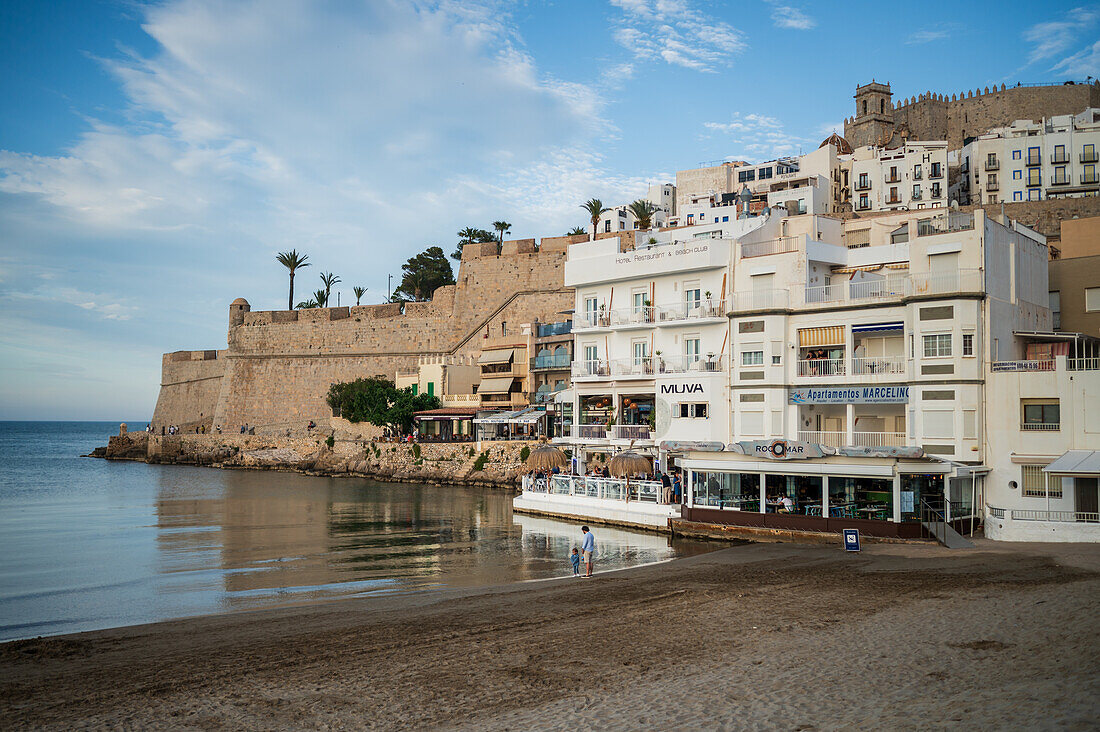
point(502, 227)
point(307, 304)
point(595, 209)
point(321, 298)
point(643, 210)
point(576, 231)
point(358, 292)
point(328, 279)
point(292, 260)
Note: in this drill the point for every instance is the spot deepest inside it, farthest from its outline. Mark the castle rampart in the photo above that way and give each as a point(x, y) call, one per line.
point(279, 364)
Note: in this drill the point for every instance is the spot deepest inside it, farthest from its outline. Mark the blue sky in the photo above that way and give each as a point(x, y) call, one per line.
point(155, 157)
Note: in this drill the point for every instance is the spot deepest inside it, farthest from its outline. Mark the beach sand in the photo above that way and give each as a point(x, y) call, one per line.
point(758, 636)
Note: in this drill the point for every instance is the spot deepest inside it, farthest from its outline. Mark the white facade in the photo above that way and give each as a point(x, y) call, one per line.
point(1028, 161)
point(1043, 408)
point(621, 218)
point(907, 178)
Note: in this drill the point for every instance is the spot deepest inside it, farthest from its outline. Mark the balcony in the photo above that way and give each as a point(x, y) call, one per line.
point(761, 300)
point(1059, 180)
point(863, 185)
point(588, 432)
point(879, 366)
point(691, 310)
point(1034, 181)
point(1059, 158)
point(859, 439)
point(637, 432)
point(936, 172)
point(1088, 157)
point(936, 193)
point(638, 367)
point(1087, 179)
point(1040, 426)
point(601, 319)
point(893, 178)
point(1033, 160)
point(891, 288)
point(813, 367)
point(558, 361)
point(992, 165)
point(993, 186)
point(937, 283)
point(591, 369)
point(863, 207)
point(772, 246)
point(918, 175)
point(547, 330)
point(917, 195)
point(945, 224)
point(690, 363)
point(893, 200)
point(637, 316)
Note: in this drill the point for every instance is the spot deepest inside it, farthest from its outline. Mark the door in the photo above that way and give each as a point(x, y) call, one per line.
point(1086, 499)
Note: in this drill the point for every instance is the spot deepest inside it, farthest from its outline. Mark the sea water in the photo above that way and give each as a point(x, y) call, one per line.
point(88, 544)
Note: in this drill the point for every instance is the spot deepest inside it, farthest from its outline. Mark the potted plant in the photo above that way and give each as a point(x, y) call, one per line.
point(647, 309)
point(603, 314)
point(660, 362)
point(610, 424)
point(710, 305)
point(711, 365)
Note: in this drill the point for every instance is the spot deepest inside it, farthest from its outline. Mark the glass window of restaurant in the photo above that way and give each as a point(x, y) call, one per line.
point(863, 498)
point(917, 487)
point(734, 491)
point(803, 492)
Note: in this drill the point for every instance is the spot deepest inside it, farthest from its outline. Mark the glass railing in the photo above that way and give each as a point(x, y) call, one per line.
point(546, 330)
point(557, 361)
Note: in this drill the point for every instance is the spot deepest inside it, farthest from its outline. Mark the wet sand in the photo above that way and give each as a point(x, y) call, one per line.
point(754, 636)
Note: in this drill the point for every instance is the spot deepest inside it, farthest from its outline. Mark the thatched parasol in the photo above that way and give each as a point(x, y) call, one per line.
point(628, 463)
point(546, 457)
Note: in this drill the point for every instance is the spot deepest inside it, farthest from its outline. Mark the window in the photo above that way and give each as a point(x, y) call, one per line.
point(968, 344)
point(1015, 154)
point(1037, 484)
point(1088, 153)
point(1034, 178)
point(1059, 154)
point(935, 172)
point(937, 345)
point(725, 219)
point(917, 172)
point(752, 358)
point(916, 191)
point(590, 308)
point(1033, 156)
point(591, 354)
point(1017, 175)
point(992, 180)
point(1043, 416)
point(863, 182)
point(693, 411)
point(1056, 308)
point(691, 350)
point(1088, 174)
point(863, 202)
point(765, 173)
point(641, 352)
point(894, 195)
point(1092, 299)
point(935, 190)
point(1017, 196)
point(1060, 175)
point(746, 175)
point(991, 160)
point(607, 226)
point(692, 296)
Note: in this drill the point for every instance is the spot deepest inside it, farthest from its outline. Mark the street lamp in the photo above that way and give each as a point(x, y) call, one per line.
point(389, 279)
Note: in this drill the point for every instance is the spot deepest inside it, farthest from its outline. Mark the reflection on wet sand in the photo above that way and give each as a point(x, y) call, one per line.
point(267, 538)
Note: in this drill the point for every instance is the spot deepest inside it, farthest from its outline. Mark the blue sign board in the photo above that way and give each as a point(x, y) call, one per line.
point(851, 540)
point(850, 395)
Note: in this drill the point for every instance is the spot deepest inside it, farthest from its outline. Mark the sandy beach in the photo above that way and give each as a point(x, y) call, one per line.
point(750, 637)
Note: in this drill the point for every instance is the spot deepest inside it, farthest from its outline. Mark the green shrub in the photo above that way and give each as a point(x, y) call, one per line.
point(483, 458)
point(470, 452)
point(416, 450)
point(330, 441)
point(524, 454)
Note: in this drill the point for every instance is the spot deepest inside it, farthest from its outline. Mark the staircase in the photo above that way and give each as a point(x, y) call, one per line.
point(934, 520)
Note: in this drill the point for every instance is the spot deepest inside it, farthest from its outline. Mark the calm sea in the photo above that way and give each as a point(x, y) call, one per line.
point(89, 544)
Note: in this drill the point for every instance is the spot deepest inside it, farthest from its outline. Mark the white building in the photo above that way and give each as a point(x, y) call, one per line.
point(621, 218)
point(1033, 161)
point(910, 177)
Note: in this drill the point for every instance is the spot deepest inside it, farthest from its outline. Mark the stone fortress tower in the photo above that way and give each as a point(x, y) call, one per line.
point(932, 116)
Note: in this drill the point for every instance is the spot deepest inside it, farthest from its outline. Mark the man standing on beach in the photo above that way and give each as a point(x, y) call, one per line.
point(588, 548)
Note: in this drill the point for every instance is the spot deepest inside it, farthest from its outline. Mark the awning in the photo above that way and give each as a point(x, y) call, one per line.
point(520, 416)
point(498, 385)
point(528, 418)
point(1076, 462)
point(498, 418)
point(873, 327)
point(499, 355)
point(829, 335)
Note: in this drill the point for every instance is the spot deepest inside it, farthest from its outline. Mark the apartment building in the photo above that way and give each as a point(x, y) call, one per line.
point(551, 360)
point(504, 378)
point(621, 218)
point(1033, 161)
point(1075, 277)
point(912, 176)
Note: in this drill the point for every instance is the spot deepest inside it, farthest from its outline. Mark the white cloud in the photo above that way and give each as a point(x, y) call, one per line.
point(757, 137)
point(676, 33)
point(926, 36)
point(785, 16)
point(1085, 62)
point(1056, 37)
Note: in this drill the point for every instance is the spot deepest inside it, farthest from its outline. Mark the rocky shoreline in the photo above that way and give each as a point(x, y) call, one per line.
point(493, 464)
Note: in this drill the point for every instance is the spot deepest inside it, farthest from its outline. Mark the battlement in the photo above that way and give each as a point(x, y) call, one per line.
point(516, 247)
point(183, 356)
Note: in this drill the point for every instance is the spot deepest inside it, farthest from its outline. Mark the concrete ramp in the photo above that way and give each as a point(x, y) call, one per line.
point(947, 535)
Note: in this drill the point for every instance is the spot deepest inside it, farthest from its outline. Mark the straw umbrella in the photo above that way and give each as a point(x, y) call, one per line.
point(627, 463)
point(546, 457)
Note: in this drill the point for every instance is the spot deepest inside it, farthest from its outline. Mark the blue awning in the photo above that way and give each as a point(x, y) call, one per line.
point(874, 327)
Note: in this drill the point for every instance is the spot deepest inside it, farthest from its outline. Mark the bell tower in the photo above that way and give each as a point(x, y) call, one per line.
point(873, 123)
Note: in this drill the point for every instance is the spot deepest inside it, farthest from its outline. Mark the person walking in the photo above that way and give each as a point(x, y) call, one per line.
point(588, 548)
point(666, 485)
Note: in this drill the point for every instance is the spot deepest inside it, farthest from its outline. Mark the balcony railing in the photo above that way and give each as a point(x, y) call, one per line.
point(893, 199)
point(640, 366)
point(1018, 514)
point(1028, 365)
point(963, 280)
point(684, 364)
point(1091, 157)
point(936, 192)
point(611, 489)
point(1034, 181)
point(1059, 180)
point(1083, 364)
point(917, 195)
point(1034, 160)
point(863, 185)
point(691, 310)
point(601, 319)
point(993, 186)
point(640, 315)
point(546, 330)
point(631, 432)
point(1040, 426)
point(936, 172)
point(1059, 158)
point(825, 293)
point(893, 178)
point(863, 207)
point(588, 432)
point(945, 223)
point(582, 369)
point(859, 439)
point(1086, 178)
point(918, 175)
point(761, 299)
point(555, 361)
point(992, 165)
point(877, 365)
point(821, 367)
point(771, 246)
point(877, 289)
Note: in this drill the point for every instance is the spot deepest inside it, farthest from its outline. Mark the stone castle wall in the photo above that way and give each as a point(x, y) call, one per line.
point(931, 116)
point(280, 364)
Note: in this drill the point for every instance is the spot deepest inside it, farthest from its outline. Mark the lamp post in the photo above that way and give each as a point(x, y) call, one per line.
point(389, 279)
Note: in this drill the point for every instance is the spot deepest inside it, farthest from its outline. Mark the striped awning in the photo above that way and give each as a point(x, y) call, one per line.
point(829, 335)
point(499, 355)
point(873, 327)
point(499, 385)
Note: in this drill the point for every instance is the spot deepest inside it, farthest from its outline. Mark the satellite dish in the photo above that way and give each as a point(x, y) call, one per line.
point(954, 205)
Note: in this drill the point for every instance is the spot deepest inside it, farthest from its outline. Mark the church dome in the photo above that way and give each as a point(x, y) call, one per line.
point(843, 147)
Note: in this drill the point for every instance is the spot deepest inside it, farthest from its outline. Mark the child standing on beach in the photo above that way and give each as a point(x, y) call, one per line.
point(575, 558)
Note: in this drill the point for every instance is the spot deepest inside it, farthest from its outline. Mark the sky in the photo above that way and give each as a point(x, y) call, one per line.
point(154, 157)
